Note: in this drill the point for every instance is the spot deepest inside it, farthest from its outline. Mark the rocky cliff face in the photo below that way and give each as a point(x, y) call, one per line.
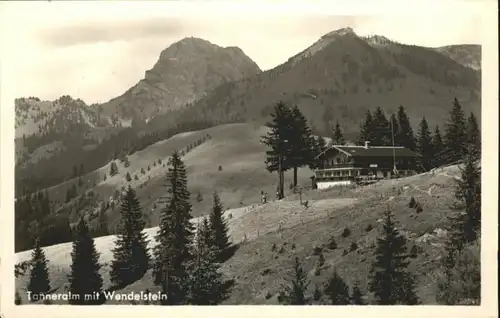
point(184, 73)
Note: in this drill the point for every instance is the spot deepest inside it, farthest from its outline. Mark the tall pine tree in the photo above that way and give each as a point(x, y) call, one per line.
point(337, 291)
point(473, 136)
point(39, 282)
point(206, 283)
point(357, 295)
point(424, 145)
point(131, 254)
point(173, 254)
point(382, 129)
point(367, 131)
point(338, 136)
point(455, 137)
point(405, 136)
point(301, 143)
point(390, 282)
point(296, 293)
point(219, 228)
point(277, 139)
point(84, 278)
point(466, 225)
point(437, 146)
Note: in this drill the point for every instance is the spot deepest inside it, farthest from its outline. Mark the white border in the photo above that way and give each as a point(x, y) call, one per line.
point(487, 9)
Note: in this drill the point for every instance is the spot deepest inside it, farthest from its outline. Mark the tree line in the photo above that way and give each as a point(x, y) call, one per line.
point(291, 144)
point(185, 263)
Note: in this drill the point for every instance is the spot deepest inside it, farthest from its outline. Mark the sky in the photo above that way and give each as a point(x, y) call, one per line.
point(97, 50)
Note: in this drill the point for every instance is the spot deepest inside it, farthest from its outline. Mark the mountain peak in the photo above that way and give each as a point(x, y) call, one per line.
point(377, 40)
point(340, 32)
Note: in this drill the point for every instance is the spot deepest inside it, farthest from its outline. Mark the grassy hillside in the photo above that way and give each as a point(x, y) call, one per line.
point(259, 270)
point(236, 148)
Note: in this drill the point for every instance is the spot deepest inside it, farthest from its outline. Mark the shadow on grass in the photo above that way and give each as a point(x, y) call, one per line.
point(229, 252)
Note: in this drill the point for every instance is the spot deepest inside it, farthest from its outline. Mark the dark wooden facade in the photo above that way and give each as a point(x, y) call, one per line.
point(345, 164)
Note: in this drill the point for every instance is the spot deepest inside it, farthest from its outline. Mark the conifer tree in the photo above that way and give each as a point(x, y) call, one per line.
point(337, 290)
point(277, 139)
point(113, 169)
point(219, 228)
point(390, 282)
point(127, 177)
point(367, 131)
point(405, 136)
point(296, 293)
point(131, 254)
point(173, 254)
point(424, 145)
point(465, 226)
point(473, 136)
point(301, 143)
point(455, 137)
point(84, 278)
point(39, 282)
point(338, 136)
point(357, 295)
point(382, 129)
point(437, 146)
point(206, 283)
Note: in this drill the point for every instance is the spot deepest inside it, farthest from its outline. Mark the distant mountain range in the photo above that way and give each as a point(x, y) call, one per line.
point(195, 82)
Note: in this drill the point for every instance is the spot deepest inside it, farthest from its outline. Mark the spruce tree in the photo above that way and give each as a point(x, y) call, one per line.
point(173, 254)
point(382, 129)
point(357, 296)
point(296, 293)
point(338, 136)
point(437, 146)
point(336, 290)
point(84, 278)
point(128, 177)
point(131, 254)
point(219, 228)
point(277, 139)
point(39, 282)
point(455, 137)
point(390, 281)
point(473, 136)
point(301, 143)
point(367, 131)
point(206, 284)
point(405, 136)
point(466, 226)
point(424, 145)
point(113, 169)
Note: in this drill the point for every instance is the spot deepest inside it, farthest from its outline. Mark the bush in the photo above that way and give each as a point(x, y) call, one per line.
point(368, 228)
point(346, 232)
point(268, 295)
point(412, 203)
point(220, 168)
point(331, 243)
point(419, 208)
point(321, 260)
point(317, 293)
point(414, 251)
point(317, 250)
point(344, 253)
point(354, 246)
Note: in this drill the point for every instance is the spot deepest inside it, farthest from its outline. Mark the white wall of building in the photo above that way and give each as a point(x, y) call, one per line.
point(330, 184)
